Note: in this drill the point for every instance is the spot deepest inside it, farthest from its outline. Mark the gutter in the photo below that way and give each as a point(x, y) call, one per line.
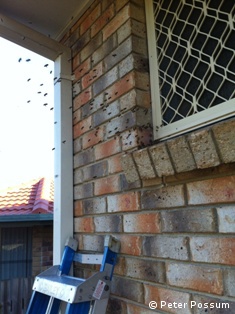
point(38, 218)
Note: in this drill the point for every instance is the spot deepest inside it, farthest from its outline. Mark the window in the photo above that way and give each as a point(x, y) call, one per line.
point(16, 253)
point(192, 63)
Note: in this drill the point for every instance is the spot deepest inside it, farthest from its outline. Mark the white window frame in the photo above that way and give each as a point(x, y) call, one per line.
point(208, 116)
point(61, 55)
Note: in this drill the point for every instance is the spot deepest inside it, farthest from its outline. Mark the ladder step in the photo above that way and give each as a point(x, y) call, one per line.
point(60, 287)
point(88, 258)
point(55, 285)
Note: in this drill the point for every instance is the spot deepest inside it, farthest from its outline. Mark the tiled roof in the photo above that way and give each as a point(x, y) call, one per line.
point(34, 197)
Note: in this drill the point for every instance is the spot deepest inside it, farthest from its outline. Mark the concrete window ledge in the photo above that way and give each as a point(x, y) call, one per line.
point(206, 148)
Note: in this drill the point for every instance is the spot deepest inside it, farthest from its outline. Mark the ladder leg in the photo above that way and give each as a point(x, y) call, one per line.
point(78, 308)
point(53, 306)
point(38, 303)
point(99, 307)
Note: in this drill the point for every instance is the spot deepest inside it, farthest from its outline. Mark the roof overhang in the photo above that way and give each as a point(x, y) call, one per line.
point(30, 39)
point(39, 25)
point(50, 18)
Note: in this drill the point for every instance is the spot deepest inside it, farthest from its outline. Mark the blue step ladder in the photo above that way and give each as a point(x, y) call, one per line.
point(85, 296)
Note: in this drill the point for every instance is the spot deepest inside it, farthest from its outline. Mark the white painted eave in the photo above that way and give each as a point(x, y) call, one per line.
point(30, 39)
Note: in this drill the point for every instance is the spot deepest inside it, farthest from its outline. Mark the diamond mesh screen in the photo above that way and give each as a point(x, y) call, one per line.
point(195, 42)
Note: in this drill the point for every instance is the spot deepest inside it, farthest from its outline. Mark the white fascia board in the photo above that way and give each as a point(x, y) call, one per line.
point(30, 39)
point(63, 183)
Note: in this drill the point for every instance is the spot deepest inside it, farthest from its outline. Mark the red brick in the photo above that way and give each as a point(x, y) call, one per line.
point(78, 209)
point(166, 246)
point(189, 220)
point(213, 250)
point(121, 123)
point(137, 11)
point(96, 170)
point(124, 202)
point(83, 68)
point(116, 22)
point(142, 80)
point(94, 206)
point(153, 293)
point(140, 268)
point(76, 116)
point(78, 22)
point(114, 164)
point(83, 224)
point(107, 185)
point(226, 219)
point(224, 137)
point(93, 137)
point(128, 289)
point(170, 196)
point(107, 149)
point(83, 191)
point(91, 18)
point(106, 80)
point(91, 46)
point(130, 244)
point(90, 242)
point(115, 305)
point(120, 87)
point(82, 127)
point(135, 309)
point(218, 190)
point(120, 4)
point(143, 99)
point(108, 223)
point(144, 164)
point(199, 278)
point(142, 223)
point(129, 167)
point(84, 16)
point(135, 137)
point(92, 76)
point(82, 98)
point(120, 267)
point(102, 20)
point(76, 61)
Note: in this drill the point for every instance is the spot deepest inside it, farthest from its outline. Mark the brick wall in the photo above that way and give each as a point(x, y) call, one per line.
point(42, 253)
point(170, 204)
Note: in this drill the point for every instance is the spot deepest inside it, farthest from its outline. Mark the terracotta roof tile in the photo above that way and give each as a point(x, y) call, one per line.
point(34, 197)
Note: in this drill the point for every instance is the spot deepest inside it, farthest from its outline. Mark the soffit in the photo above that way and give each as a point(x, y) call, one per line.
point(50, 18)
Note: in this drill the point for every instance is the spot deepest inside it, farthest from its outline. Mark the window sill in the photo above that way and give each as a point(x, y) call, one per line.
point(203, 149)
